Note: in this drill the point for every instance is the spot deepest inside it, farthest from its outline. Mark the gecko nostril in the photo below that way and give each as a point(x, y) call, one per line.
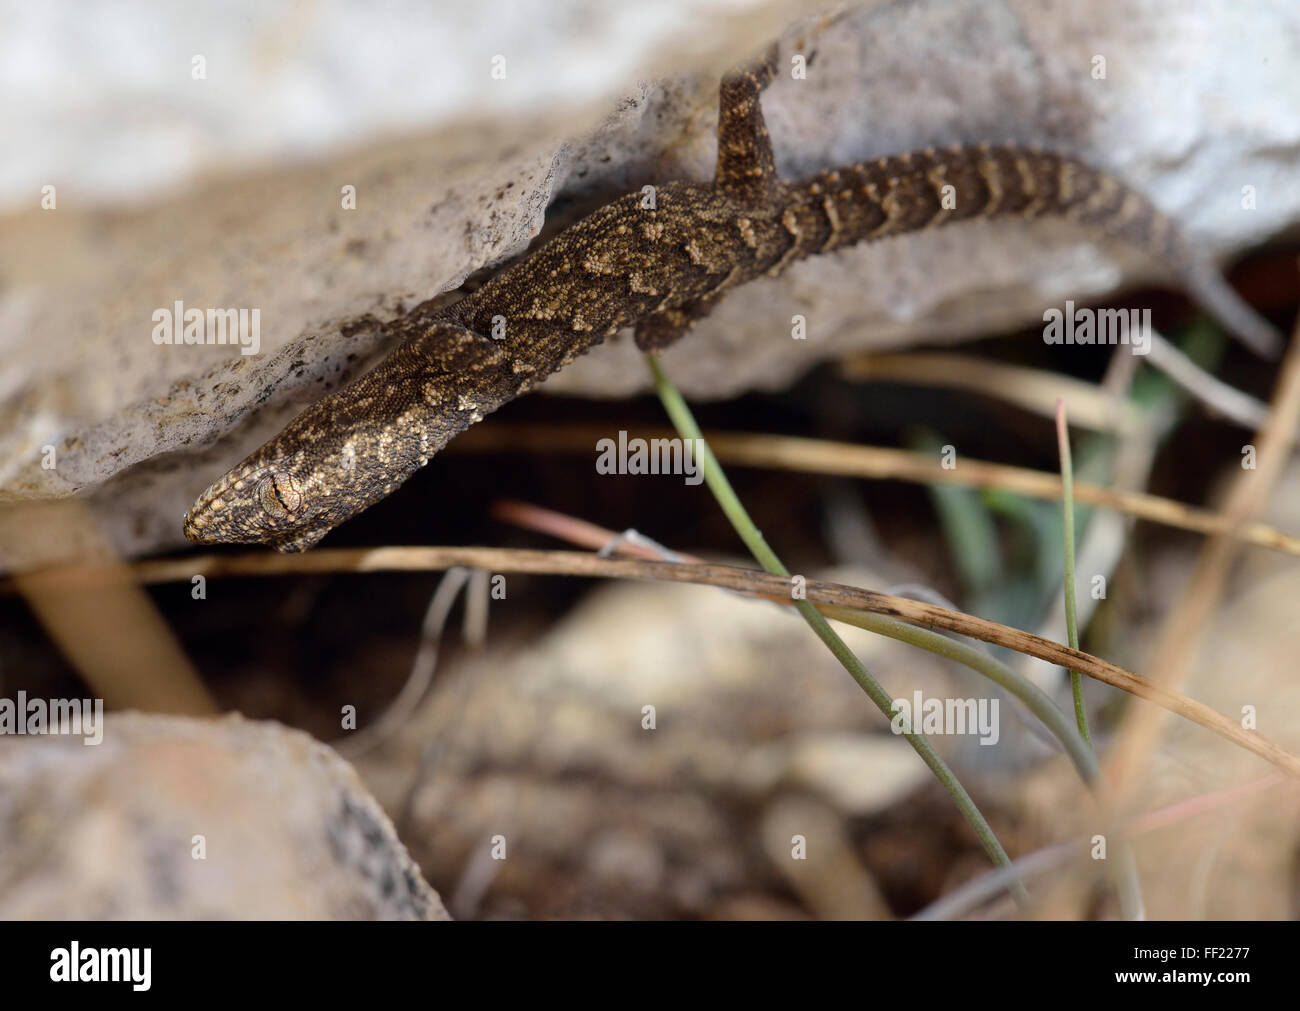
point(279, 495)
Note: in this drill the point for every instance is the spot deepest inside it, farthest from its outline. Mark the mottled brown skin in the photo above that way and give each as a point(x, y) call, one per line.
point(657, 268)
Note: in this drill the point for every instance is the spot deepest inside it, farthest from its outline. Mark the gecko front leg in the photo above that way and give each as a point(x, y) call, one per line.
point(746, 167)
point(745, 176)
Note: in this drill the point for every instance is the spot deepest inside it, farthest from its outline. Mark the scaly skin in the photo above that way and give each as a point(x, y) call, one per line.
point(658, 268)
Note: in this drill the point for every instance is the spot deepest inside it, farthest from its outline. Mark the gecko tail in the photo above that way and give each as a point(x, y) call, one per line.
point(925, 189)
point(1214, 294)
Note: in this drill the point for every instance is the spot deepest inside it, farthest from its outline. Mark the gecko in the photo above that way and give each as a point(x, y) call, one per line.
point(657, 266)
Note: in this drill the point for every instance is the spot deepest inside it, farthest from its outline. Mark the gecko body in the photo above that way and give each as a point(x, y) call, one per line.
point(657, 265)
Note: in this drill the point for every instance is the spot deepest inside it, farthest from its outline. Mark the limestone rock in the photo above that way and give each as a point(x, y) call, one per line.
point(110, 831)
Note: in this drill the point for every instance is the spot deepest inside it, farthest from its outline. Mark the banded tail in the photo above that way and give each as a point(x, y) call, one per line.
point(912, 192)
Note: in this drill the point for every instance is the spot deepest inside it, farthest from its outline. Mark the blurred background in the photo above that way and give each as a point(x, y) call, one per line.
point(402, 732)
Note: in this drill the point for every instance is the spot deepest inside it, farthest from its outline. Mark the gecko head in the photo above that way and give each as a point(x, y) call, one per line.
point(256, 504)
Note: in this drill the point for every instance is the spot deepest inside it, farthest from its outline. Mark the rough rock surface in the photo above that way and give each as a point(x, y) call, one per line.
point(108, 831)
point(1198, 101)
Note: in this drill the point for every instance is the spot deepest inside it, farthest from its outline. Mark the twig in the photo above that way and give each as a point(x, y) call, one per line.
point(416, 687)
point(1226, 401)
point(1031, 389)
point(1071, 617)
point(1182, 630)
point(816, 456)
point(116, 640)
point(749, 581)
point(1036, 390)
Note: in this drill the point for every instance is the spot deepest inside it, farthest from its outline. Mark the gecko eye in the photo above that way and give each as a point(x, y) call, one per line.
point(279, 495)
